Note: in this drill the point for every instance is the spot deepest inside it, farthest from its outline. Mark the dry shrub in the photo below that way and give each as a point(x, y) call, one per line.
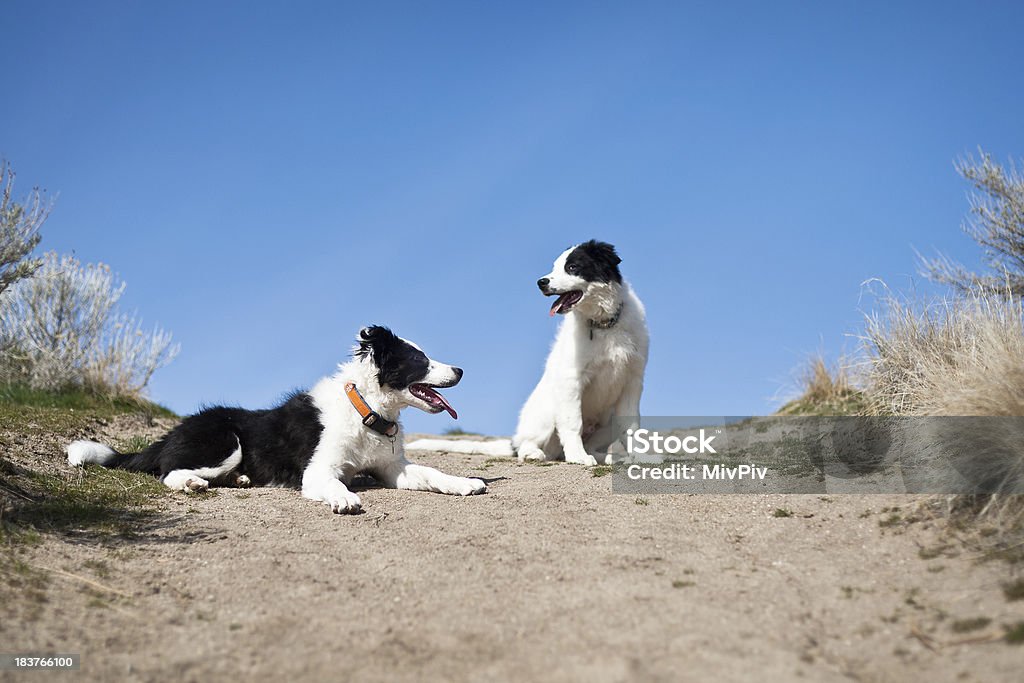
point(62, 327)
point(957, 357)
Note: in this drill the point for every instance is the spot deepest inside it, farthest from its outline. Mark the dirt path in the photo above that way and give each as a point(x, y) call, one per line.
point(548, 577)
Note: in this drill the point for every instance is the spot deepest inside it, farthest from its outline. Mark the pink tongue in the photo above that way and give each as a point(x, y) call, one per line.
point(447, 406)
point(555, 306)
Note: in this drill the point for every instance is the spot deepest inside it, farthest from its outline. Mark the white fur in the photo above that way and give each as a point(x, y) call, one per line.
point(185, 480)
point(82, 452)
point(586, 381)
point(347, 447)
point(199, 479)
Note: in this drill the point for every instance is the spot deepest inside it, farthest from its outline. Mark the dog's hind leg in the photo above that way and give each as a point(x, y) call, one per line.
point(198, 478)
point(188, 481)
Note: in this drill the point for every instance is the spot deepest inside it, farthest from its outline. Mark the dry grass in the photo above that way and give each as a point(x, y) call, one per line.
point(963, 356)
point(958, 357)
point(826, 390)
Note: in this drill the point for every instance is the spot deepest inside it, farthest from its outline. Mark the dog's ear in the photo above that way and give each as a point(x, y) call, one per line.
point(602, 253)
point(396, 361)
point(376, 342)
point(595, 262)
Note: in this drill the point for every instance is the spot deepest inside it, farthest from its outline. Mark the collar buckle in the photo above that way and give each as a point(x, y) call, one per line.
point(370, 418)
point(608, 323)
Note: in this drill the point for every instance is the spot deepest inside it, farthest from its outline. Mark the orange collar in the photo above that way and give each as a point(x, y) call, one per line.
point(371, 419)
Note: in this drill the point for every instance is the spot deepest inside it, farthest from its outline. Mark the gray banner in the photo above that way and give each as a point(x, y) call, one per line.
point(819, 455)
point(29, 661)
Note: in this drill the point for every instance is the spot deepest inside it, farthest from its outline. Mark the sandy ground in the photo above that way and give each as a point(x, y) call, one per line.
point(550, 576)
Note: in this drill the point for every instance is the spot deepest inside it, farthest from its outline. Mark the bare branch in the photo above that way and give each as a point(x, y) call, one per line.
point(19, 229)
point(996, 223)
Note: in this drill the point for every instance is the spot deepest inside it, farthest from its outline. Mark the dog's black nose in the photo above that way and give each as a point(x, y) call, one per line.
point(458, 373)
point(543, 283)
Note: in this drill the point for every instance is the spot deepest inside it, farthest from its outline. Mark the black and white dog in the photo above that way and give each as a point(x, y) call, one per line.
point(589, 394)
point(316, 440)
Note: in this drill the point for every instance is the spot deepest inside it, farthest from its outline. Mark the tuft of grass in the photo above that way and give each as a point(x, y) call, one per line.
point(1014, 590)
point(933, 552)
point(133, 444)
point(1015, 633)
point(679, 583)
point(97, 501)
point(968, 625)
point(23, 588)
point(79, 398)
point(99, 567)
point(458, 431)
point(600, 470)
point(782, 512)
point(826, 391)
point(640, 500)
point(892, 520)
point(38, 499)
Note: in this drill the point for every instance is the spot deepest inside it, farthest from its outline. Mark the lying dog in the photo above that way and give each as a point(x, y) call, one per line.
point(317, 440)
point(590, 391)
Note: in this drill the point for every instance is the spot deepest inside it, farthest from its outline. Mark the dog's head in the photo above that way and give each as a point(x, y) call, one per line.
point(578, 272)
point(405, 370)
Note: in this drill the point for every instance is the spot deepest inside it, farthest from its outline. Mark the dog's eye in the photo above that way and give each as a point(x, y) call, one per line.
point(571, 268)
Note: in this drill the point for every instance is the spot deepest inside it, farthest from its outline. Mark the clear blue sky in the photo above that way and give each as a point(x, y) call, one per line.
point(269, 176)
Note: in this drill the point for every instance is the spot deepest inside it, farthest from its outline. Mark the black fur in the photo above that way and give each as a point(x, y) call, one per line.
point(399, 363)
point(594, 262)
point(277, 444)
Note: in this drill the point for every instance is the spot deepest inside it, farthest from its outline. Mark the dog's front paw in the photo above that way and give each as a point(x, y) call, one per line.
point(344, 503)
point(469, 487)
point(341, 500)
point(585, 459)
point(529, 451)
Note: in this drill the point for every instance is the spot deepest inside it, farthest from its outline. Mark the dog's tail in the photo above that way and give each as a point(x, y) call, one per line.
point(497, 448)
point(85, 452)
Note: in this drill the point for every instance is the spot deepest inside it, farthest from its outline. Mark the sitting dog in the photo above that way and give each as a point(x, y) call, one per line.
point(589, 394)
point(316, 440)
